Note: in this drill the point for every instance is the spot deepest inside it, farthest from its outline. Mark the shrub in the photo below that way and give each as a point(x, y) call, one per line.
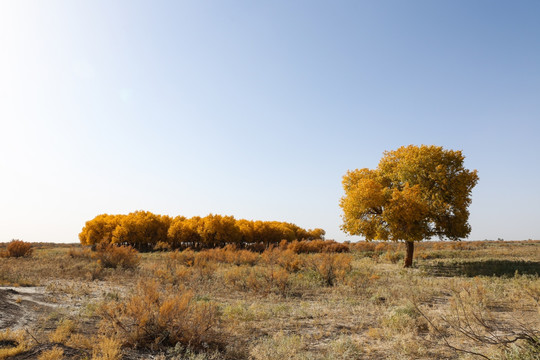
point(62, 332)
point(107, 349)
point(318, 246)
point(331, 267)
point(55, 353)
point(280, 346)
point(76, 253)
point(259, 279)
point(18, 248)
point(185, 257)
point(285, 258)
point(344, 348)
point(393, 256)
point(112, 256)
point(162, 246)
point(403, 319)
point(152, 317)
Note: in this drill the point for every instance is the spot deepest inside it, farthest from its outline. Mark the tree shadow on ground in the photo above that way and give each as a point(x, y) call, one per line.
point(482, 267)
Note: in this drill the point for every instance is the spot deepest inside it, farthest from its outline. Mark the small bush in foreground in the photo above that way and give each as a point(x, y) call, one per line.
point(18, 248)
point(151, 318)
point(331, 267)
point(112, 256)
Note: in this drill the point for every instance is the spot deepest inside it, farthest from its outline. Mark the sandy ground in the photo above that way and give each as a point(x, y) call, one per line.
point(22, 306)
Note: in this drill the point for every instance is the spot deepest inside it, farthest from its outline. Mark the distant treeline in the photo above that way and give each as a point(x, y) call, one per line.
point(147, 231)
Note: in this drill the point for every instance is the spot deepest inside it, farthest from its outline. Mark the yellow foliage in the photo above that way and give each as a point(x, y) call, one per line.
point(415, 193)
point(147, 231)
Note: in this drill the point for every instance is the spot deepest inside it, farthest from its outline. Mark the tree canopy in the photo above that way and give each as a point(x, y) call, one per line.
point(145, 231)
point(415, 193)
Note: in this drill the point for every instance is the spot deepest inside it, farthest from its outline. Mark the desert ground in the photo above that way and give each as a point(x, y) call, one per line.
point(461, 300)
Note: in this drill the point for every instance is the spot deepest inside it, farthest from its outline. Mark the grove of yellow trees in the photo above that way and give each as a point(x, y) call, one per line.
point(146, 231)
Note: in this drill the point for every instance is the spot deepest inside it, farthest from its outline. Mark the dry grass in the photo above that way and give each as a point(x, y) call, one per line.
point(12, 343)
point(281, 303)
point(112, 256)
point(107, 349)
point(55, 353)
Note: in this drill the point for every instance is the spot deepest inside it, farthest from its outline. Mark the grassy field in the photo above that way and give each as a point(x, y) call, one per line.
point(461, 300)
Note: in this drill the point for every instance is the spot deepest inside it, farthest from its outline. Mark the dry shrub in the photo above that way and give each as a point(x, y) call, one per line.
point(185, 257)
point(62, 332)
point(331, 267)
point(229, 255)
point(317, 246)
point(363, 246)
point(55, 353)
point(17, 248)
point(237, 277)
point(381, 247)
point(474, 314)
point(287, 259)
point(162, 246)
point(113, 256)
point(246, 257)
point(393, 256)
point(107, 349)
point(81, 341)
point(259, 279)
point(152, 317)
point(344, 348)
point(404, 319)
point(361, 281)
point(280, 347)
point(95, 272)
point(77, 253)
point(13, 343)
point(278, 281)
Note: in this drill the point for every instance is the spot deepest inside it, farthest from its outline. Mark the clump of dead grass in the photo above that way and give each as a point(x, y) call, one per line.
point(107, 349)
point(279, 347)
point(12, 343)
point(55, 353)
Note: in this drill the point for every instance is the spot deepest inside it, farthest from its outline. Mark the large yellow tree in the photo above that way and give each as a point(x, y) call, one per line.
point(415, 193)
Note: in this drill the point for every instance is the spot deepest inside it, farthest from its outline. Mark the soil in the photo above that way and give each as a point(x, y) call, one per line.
point(22, 306)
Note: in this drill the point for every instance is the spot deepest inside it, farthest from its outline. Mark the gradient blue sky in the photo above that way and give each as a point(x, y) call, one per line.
point(258, 108)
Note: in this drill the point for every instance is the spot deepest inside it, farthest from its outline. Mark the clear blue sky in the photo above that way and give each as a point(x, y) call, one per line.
point(258, 108)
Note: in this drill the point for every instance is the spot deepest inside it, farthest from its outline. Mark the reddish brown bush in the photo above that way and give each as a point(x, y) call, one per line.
point(18, 248)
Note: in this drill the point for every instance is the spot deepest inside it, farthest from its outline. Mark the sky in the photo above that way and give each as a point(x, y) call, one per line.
point(257, 109)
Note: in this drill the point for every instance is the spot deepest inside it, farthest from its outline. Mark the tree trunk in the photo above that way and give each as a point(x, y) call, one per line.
point(409, 255)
